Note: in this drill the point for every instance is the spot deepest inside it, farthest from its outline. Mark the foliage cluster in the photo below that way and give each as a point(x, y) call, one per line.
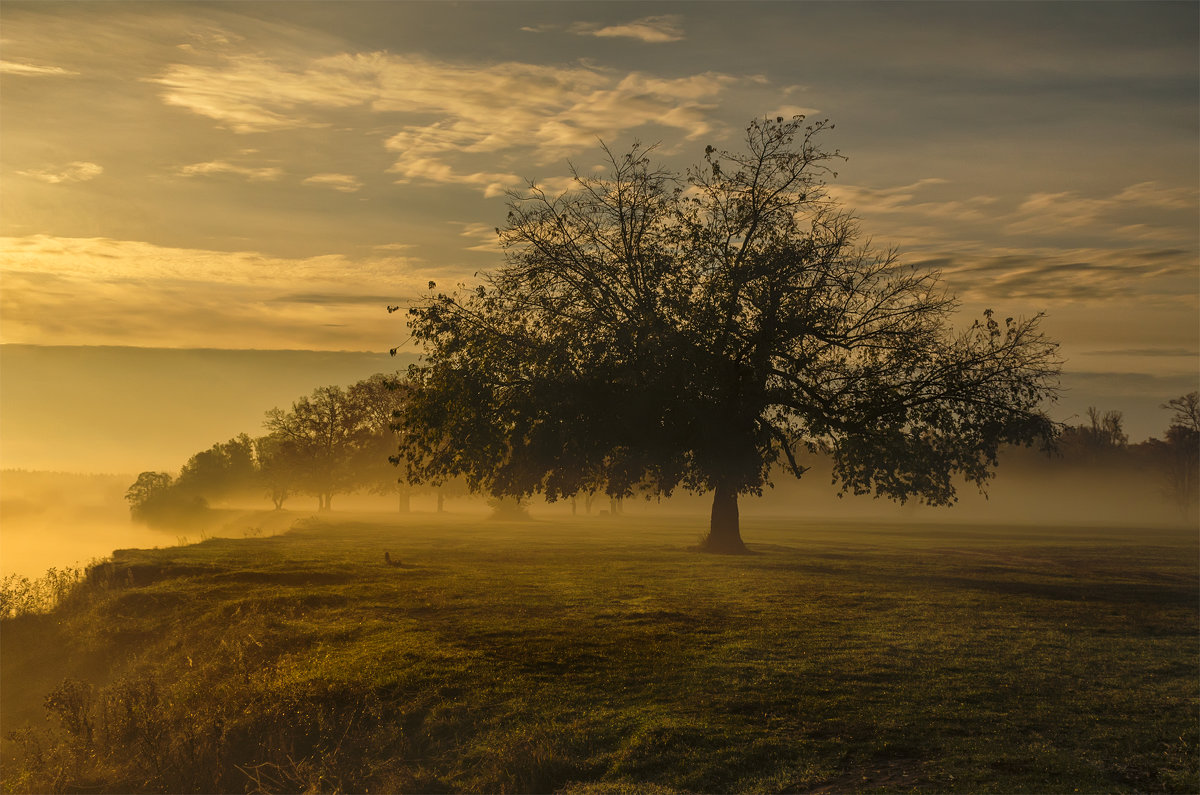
point(22, 596)
point(335, 441)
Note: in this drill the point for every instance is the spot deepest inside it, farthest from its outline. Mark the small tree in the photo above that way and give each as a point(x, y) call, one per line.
point(381, 398)
point(653, 330)
point(155, 499)
point(1185, 411)
point(1101, 440)
point(280, 467)
point(1182, 452)
point(318, 441)
point(150, 487)
point(226, 469)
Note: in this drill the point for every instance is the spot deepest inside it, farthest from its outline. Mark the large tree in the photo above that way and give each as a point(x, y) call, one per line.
point(652, 330)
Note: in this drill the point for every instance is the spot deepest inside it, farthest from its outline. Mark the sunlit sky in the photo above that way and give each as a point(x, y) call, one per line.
point(271, 175)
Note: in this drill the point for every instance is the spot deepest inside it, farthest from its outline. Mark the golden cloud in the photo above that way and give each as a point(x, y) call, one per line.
point(141, 294)
point(508, 108)
point(79, 171)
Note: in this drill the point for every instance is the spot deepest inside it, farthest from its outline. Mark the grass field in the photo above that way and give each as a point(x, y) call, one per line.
point(601, 655)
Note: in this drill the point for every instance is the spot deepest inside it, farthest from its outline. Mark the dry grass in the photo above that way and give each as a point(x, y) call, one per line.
point(602, 655)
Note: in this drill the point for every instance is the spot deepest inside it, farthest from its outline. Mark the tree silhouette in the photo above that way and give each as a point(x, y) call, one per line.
point(227, 469)
point(280, 467)
point(1099, 441)
point(318, 441)
point(1182, 452)
point(1185, 411)
point(155, 500)
point(653, 330)
point(380, 398)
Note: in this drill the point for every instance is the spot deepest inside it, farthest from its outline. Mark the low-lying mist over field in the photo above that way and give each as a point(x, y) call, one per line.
point(54, 519)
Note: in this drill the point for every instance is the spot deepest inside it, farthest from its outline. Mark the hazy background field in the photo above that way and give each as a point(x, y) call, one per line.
point(596, 654)
point(62, 519)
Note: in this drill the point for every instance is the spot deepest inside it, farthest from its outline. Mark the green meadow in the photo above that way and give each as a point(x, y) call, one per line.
point(602, 654)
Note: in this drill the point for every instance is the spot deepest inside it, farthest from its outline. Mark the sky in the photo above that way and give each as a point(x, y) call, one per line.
point(268, 177)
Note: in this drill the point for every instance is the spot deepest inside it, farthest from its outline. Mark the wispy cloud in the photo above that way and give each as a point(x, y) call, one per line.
point(33, 70)
point(345, 183)
point(249, 93)
point(1133, 244)
point(1144, 212)
point(652, 30)
point(482, 236)
point(1170, 352)
point(904, 199)
point(79, 171)
point(437, 171)
point(503, 110)
point(143, 294)
point(1050, 213)
point(1050, 275)
point(254, 174)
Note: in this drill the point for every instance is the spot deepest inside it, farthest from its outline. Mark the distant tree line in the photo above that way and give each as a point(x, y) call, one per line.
point(1100, 444)
point(335, 441)
point(343, 440)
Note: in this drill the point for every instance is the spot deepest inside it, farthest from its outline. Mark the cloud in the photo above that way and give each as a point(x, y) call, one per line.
point(451, 113)
point(1170, 352)
point(436, 171)
point(262, 174)
point(651, 30)
point(1050, 213)
point(898, 199)
point(484, 236)
point(340, 182)
point(1142, 214)
point(1056, 275)
point(33, 70)
point(79, 171)
point(249, 93)
point(790, 111)
point(147, 295)
point(331, 298)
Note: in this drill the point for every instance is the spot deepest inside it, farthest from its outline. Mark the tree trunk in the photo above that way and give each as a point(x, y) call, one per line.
point(441, 502)
point(724, 533)
point(405, 502)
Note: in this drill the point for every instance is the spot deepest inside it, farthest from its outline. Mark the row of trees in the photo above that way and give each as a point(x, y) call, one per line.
point(654, 330)
point(1102, 443)
point(335, 441)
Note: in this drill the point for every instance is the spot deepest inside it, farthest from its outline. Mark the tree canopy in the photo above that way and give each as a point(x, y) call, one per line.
point(652, 330)
point(334, 441)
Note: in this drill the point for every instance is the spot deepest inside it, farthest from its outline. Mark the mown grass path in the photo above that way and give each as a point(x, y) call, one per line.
point(603, 655)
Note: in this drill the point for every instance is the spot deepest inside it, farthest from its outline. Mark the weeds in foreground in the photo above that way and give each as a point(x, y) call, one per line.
point(138, 735)
point(21, 596)
point(929, 662)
